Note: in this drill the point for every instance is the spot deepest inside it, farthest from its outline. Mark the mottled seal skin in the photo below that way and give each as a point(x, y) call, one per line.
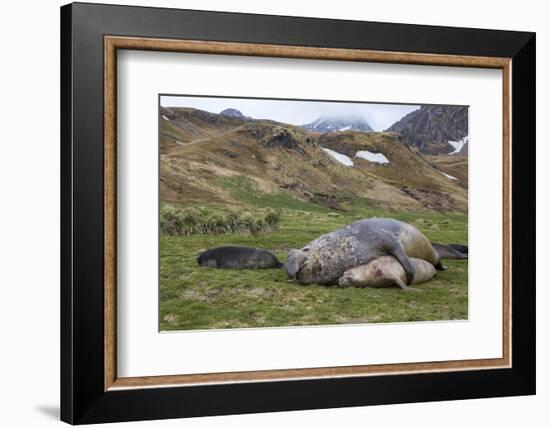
point(450, 251)
point(386, 271)
point(324, 260)
point(233, 257)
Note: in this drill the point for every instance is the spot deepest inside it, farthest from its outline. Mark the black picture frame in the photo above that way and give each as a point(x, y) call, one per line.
point(83, 398)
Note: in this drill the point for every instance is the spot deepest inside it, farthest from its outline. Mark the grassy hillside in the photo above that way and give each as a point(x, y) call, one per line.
point(287, 161)
point(455, 165)
point(183, 125)
point(408, 170)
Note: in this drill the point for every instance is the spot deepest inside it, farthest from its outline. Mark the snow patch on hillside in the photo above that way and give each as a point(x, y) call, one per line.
point(164, 117)
point(343, 159)
point(450, 177)
point(457, 145)
point(372, 157)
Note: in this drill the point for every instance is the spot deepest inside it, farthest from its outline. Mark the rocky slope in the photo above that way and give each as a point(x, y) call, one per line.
point(434, 129)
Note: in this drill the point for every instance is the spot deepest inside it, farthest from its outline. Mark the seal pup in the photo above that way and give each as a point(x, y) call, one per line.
point(386, 271)
point(234, 257)
point(325, 259)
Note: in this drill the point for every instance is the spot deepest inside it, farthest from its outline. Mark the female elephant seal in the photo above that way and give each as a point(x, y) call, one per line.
point(324, 260)
point(386, 271)
point(233, 257)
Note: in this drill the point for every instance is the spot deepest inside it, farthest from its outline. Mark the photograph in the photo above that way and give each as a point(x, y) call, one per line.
point(290, 212)
point(271, 213)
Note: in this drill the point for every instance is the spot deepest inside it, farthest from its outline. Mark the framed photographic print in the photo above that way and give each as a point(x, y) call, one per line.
point(266, 213)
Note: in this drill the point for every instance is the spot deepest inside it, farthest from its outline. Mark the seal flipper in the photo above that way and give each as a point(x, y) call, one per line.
point(448, 252)
point(461, 248)
point(405, 287)
point(399, 253)
point(440, 266)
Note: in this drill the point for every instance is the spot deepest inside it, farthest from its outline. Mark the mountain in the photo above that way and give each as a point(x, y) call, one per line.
point(215, 159)
point(434, 129)
point(403, 167)
point(464, 150)
point(343, 123)
point(181, 125)
point(232, 112)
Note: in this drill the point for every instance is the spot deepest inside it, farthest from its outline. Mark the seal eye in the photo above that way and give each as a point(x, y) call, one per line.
point(305, 250)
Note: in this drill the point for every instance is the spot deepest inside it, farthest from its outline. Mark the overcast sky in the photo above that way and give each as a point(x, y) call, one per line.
point(379, 116)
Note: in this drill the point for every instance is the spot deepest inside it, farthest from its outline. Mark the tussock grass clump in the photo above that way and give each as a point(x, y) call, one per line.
point(178, 221)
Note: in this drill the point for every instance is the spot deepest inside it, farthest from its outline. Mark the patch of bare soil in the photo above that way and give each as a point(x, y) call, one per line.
point(430, 199)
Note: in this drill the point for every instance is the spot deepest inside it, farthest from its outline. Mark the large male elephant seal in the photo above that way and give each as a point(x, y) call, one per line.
point(233, 257)
point(386, 271)
point(324, 260)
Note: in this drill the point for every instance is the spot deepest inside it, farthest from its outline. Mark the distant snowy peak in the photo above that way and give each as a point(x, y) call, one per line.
point(233, 112)
point(334, 124)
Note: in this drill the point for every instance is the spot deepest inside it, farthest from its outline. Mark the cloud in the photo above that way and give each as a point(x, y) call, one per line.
point(380, 116)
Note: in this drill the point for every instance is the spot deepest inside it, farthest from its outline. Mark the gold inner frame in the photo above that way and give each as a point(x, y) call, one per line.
point(113, 43)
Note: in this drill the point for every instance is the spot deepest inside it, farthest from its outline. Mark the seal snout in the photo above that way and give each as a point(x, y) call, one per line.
point(345, 281)
point(295, 262)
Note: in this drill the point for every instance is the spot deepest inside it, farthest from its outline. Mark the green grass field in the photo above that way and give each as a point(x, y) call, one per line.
point(193, 297)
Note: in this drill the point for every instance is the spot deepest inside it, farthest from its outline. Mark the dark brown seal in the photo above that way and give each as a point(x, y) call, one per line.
point(233, 257)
